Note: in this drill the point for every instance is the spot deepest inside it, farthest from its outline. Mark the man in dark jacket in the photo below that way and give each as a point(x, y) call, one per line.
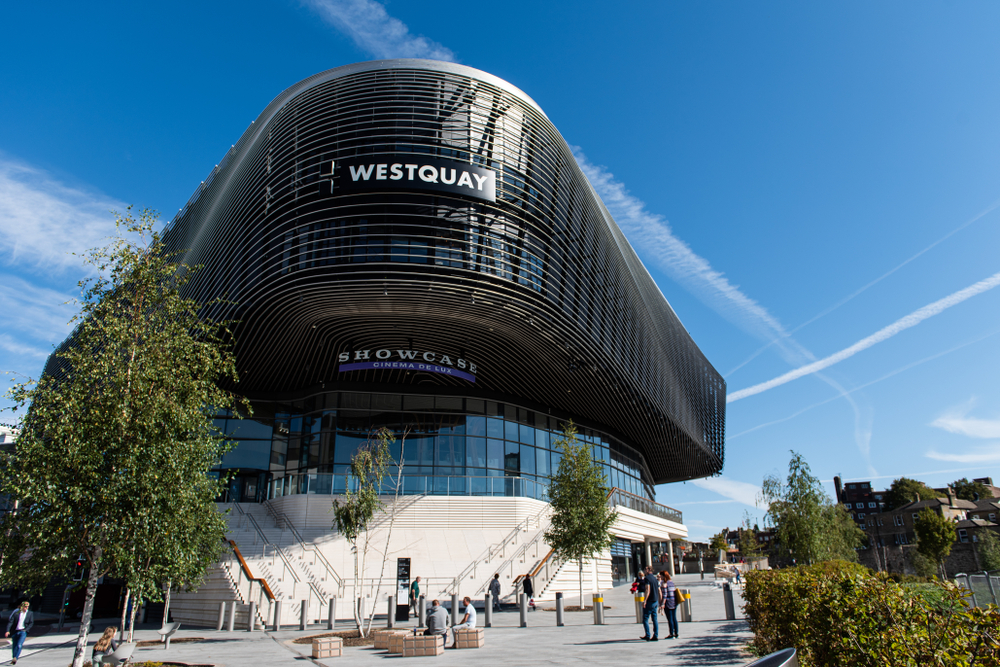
point(651, 605)
point(20, 621)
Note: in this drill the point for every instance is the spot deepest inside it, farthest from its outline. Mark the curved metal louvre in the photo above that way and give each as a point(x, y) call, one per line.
point(540, 289)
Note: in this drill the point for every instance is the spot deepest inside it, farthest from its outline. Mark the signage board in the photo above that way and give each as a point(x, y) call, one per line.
point(411, 171)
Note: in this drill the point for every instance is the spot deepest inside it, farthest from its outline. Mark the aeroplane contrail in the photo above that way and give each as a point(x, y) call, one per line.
point(911, 320)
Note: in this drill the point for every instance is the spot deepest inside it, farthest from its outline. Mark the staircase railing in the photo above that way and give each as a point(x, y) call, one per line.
point(288, 568)
point(243, 570)
point(500, 549)
point(284, 523)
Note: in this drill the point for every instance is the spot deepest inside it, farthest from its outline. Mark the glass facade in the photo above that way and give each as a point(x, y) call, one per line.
point(448, 445)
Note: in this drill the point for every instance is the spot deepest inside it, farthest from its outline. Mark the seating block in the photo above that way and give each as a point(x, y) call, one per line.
point(382, 638)
point(395, 644)
point(327, 647)
point(470, 638)
point(414, 645)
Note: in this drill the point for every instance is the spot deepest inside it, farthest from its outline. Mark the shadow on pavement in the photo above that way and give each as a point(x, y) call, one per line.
point(712, 651)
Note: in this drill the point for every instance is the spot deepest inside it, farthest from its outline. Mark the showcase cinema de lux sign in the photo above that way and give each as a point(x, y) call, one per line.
point(408, 360)
point(410, 171)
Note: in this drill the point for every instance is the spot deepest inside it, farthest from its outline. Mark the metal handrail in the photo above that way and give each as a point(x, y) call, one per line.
point(284, 522)
point(267, 543)
point(488, 555)
point(646, 505)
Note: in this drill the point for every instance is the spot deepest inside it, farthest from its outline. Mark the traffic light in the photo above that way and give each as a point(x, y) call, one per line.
point(80, 568)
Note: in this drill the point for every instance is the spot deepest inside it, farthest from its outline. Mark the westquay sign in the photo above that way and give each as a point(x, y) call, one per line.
point(409, 360)
point(410, 171)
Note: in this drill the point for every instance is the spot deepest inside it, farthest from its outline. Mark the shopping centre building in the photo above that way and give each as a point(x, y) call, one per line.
point(410, 244)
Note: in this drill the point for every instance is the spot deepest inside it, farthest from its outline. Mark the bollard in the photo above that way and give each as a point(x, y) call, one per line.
point(222, 617)
point(488, 610)
point(598, 609)
point(332, 618)
point(252, 617)
point(391, 613)
point(303, 614)
point(685, 605)
point(560, 610)
point(422, 611)
point(727, 597)
point(454, 609)
point(640, 599)
point(62, 618)
point(276, 625)
point(231, 625)
point(524, 610)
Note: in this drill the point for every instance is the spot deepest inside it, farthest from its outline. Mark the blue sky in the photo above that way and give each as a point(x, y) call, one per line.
point(814, 186)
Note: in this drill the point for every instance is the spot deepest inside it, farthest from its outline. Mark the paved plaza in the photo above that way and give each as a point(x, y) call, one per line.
point(708, 640)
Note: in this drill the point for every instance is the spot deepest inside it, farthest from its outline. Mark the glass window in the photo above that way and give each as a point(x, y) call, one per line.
point(527, 460)
point(494, 454)
point(511, 431)
point(512, 456)
point(475, 452)
point(542, 461)
point(475, 426)
point(541, 438)
point(250, 455)
point(494, 428)
point(527, 434)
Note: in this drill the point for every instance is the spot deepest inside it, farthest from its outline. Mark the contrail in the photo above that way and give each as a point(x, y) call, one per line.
point(899, 325)
point(827, 311)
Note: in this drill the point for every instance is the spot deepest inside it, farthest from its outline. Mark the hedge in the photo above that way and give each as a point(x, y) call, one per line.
point(841, 614)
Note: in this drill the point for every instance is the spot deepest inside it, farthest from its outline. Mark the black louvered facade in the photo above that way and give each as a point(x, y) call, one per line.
point(538, 289)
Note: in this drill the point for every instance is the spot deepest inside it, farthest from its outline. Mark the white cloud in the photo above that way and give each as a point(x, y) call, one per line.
point(43, 221)
point(956, 420)
point(374, 31)
point(11, 345)
point(37, 312)
point(911, 320)
point(985, 454)
point(741, 492)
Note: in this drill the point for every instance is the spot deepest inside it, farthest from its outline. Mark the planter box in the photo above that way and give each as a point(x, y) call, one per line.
point(328, 647)
point(395, 643)
point(414, 645)
point(470, 638)
point(381, 638)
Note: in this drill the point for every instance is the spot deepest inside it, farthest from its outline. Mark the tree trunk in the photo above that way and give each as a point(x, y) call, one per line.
point(131, 619)
point(122, 626)
point(580, 561)
point(88, 609)
point(166, 605)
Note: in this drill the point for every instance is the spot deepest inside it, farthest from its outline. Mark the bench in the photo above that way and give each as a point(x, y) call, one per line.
point(381, 638)
point(395, 642)
point(327, 647)
point(470, 638)
point(167, 631)
point(122, 654)
point(414, 645)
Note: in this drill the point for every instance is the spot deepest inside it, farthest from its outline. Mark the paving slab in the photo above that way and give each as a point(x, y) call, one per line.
point(708, 640)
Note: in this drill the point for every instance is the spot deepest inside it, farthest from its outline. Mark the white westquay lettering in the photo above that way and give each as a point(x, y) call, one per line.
point(444, 179)
point(410, 168)
point(428, 174)
point(465, 180)
point(360, 171)
point(480, 180)
point(380, 172)
point(397, 172)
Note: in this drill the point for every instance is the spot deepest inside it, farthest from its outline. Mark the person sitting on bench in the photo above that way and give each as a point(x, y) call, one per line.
point(437, 621)
point(468, 621)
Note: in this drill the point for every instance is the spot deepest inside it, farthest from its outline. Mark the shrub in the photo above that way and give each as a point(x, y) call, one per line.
point(839, 614)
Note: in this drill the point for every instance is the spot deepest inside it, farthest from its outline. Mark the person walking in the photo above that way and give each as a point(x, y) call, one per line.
point(669, 594)
point(104, 646)
point(495, 591)
point(651, 606)
point(415, 596)
point(21, 621)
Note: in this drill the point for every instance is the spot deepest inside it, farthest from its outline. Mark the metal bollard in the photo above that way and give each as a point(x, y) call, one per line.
point(231, 625)
point(252, 617)
point(524, 610)
point(391, 613)
point(560, 610)
point(276, 625)
point(332, 618)
point(488, 611)
point(727, 597)
point(422, 611)
point(303, 614)
point(685, 605)
point(454, 609)
point(640, 599)
point(222, 616)
point(598, 609)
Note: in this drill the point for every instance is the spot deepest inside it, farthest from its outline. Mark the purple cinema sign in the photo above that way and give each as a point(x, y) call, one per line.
point(408, 360)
